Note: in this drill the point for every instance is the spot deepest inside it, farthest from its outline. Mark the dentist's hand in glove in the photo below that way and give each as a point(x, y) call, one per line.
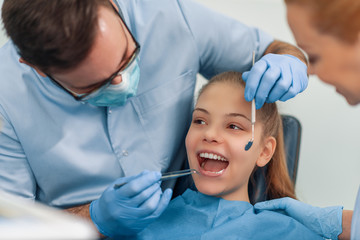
point(130, 208)
point(275, 77)
point(327, 222)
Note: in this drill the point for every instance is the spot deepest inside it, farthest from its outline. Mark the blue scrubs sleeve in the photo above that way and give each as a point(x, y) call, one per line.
point(223, 43)
point(15, 173)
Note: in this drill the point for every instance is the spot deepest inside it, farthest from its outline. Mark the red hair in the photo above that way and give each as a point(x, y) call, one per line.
point(339, 18)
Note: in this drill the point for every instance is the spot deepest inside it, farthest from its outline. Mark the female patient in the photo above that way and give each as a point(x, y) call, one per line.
point(220, 129)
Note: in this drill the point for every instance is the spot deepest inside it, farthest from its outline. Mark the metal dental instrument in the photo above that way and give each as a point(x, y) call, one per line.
point(253, 113)
point(167, 176)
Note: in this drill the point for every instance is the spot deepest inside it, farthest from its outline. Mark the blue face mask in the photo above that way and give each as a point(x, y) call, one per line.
point(117, 95)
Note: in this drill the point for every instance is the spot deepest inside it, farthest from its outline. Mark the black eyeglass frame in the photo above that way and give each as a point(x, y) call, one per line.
point(108, 81)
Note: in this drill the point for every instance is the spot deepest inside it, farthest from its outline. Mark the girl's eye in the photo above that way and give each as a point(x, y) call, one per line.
point(199, 121)
point(235, 127)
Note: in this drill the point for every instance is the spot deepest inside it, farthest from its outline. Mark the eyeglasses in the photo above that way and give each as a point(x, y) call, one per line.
point(108, 81)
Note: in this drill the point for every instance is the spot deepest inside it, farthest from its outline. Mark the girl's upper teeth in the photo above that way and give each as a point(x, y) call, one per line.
point(212, 156)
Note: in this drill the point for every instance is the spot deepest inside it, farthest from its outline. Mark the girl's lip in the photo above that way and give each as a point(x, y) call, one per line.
point(211, 174)
point(203, 172)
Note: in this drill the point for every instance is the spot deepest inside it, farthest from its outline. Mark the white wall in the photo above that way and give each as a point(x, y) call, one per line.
point(329, 162)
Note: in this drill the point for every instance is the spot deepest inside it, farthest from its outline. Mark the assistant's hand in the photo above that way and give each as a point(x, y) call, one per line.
point(326, 222)
point(129, 209)
point(275, 77)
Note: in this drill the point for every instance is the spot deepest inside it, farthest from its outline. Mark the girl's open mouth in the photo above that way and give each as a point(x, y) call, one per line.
point(212, 164)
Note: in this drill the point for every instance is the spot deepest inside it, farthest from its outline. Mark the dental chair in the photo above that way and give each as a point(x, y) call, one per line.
point(257, 190)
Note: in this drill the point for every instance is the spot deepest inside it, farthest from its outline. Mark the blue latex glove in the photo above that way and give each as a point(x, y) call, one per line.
point(327, 222)
point(275, 77)
point(130, 208)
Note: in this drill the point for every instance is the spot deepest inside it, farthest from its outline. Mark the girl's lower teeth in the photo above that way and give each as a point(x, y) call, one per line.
point(218, 171)
point(202, 166)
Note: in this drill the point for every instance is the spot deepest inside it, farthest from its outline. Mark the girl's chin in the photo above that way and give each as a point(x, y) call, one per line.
point(209, 189)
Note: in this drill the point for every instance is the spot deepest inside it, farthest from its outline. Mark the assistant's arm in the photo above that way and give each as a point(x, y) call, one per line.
point(346, 225)
point(327, 222)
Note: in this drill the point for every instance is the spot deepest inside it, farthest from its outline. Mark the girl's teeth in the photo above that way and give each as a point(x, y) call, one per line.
point(212, 156)
point(219, 171)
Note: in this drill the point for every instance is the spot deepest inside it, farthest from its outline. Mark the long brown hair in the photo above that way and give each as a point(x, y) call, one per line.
point(339, 18)
point(278, 182)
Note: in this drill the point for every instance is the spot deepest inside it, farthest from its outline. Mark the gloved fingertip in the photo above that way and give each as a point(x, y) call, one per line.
point(248, 95)
point(157, 174)
point(248, 98)
point(168, 193)
point(154, 177)
point(258, 104)
point(245, 76)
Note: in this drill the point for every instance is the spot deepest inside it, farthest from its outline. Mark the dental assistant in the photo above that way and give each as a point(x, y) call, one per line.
point(329, 32)
point(94, 91)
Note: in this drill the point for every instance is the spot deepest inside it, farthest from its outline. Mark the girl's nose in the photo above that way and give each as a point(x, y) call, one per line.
point(212, 135)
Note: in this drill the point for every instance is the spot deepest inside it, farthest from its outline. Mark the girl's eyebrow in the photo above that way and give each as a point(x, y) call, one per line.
point(227, 115)
point(201, 110)
point(237, 115)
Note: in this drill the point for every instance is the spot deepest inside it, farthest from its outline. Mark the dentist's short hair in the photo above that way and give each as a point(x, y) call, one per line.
point(52, 34)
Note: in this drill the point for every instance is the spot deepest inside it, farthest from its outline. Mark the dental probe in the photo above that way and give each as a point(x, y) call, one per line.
point(253, 113)
point(167, 176)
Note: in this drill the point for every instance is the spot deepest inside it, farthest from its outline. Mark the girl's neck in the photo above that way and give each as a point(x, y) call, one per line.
point(242, 195)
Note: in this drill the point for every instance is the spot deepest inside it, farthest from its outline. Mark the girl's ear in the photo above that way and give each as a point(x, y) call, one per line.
point(267, 151)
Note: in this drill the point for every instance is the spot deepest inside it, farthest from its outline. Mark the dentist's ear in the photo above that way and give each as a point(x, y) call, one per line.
point(21, 60)
point(267, 152)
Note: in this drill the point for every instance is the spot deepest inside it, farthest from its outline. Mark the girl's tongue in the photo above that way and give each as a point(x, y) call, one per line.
point(212, 165)
point(211, 162)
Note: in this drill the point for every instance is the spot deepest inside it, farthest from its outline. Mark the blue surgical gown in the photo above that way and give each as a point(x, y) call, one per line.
point(355, 223)
point(197, 216)
point(64, 152)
